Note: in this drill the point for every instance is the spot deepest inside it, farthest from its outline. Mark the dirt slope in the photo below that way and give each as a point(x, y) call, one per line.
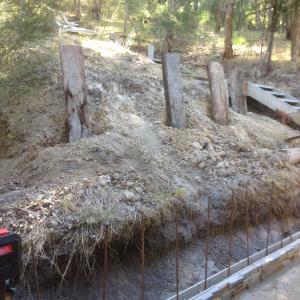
point(132, 162)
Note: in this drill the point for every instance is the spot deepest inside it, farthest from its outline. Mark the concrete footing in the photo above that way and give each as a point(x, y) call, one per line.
point(220, 286)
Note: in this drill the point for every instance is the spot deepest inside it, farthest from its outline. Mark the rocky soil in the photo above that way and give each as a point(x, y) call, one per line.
point(60, 196)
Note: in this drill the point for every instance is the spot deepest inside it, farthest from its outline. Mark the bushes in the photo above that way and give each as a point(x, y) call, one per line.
point(21, 22)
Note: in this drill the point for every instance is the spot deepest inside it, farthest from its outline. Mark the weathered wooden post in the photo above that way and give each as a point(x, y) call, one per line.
point(173, 90)
point(151, 51)
point(237, 94)
point(219, 93)
point(77, 112)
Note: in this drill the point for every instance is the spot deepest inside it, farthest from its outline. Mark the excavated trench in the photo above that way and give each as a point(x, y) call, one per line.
point(124, 275)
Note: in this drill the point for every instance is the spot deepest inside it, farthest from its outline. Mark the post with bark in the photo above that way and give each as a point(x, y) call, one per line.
point(219, 93)
point(237, 92)
point(173, 90)
point(77, 111)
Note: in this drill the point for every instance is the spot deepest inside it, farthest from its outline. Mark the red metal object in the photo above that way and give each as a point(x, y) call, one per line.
point(3, 231)
point(7, 249)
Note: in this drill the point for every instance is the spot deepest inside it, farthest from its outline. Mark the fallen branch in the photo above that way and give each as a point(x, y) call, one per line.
point(66, 26)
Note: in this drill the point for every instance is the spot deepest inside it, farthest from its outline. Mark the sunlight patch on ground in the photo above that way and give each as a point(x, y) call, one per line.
point(107, 49)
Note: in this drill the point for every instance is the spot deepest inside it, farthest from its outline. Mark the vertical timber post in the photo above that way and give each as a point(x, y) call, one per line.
point(219, 94)
point(73, 70)
point(173, 90)
point(238, 98)
point(151, 51)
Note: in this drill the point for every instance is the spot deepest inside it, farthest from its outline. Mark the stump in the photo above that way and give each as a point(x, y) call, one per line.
point(219, 93)
point(237, 95)
point(173, 90)
point(77, 112)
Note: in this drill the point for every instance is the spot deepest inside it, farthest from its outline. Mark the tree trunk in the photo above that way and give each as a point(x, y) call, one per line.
point(258, 21)
point(219, 15)
point(273, 28)
point(295, 49)
point(229, 13)
point(97, 10)
point(77, 112)
point(287, 20)
point(171, 6)
point(77, 9)
point(170, 33)
point(219, 93)
point(126, 17)
point(196, 7)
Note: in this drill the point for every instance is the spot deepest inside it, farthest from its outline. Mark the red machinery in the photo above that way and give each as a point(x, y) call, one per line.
point(10, 258)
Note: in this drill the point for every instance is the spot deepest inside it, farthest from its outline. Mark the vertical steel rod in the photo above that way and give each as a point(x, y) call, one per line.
point(143, 258)
point(35, 271)
point(282, 229)
point(177, 259)
point(247, 226)
point(230, 234)
point(269, 219)
point(105, 262)
point(207, 242)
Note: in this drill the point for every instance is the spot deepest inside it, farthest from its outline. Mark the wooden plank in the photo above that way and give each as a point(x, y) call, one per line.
point(219, 93)
point(268, 99)
point(77, 112)
point(173, 90)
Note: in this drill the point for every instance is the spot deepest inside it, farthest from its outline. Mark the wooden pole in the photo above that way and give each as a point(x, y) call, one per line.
point(238, 98)
point(173, 90)
point(218, 90)
point(73, 70)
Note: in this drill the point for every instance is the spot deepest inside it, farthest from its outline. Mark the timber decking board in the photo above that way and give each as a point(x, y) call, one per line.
point(275, 99)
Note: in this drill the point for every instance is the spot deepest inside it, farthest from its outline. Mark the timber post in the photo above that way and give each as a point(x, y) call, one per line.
point(237, 95)
point(173, 90)
point(219, 93)
point(77, 111)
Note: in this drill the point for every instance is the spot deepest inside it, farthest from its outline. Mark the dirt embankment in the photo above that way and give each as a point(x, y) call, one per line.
point(60, 197)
